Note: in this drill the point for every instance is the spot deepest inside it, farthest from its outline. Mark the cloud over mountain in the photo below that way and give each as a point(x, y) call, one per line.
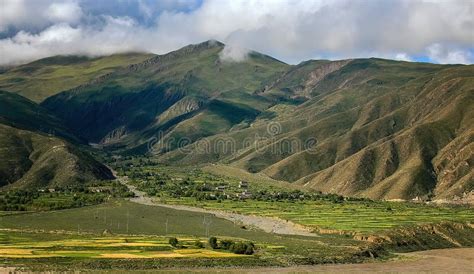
point(437, 31)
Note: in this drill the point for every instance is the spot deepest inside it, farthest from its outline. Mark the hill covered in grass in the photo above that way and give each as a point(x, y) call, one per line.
point(38, 151)
point(19, 112)
point(359, 127)
point(35, 160)
point(188, 93)
point(379, 129)
point(46, 77)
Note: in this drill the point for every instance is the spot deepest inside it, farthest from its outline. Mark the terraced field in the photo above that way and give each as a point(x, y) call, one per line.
point(347, 216)
point(163, 182)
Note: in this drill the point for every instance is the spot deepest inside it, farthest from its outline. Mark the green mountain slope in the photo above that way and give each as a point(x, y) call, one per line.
point(32, 160)
point(17, 111)
point(46, 77)
point(384, 129)
point(189, 92)
point(363, 127)
point(34, 150)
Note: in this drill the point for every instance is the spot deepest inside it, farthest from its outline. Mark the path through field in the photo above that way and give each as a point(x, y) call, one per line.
point(267, 224)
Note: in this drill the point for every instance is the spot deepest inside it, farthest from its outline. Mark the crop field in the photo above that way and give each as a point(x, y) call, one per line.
point(27, 245)
point(121, 216)
point(99, 234)
point(171, 185)
point(346, 216)
point(126, 235)
point(112, 219)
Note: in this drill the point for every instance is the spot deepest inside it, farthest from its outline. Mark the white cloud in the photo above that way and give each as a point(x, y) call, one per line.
point(445, 55)
point(63, 39)
point(402, 57)
point(232, 53)
point(68, 12)
point(38, 14)
point(291, 30)
point(145, 9)
point(14, 12)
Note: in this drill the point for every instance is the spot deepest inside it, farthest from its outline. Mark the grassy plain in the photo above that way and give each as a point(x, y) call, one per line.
point(97, 237)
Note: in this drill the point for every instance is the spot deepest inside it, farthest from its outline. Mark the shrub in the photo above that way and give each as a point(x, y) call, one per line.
point(242, 248)
point(250, 249)
point(226, 244)
point(173, 241)
point(238, 248)
point(198, 244)
point(213, 242)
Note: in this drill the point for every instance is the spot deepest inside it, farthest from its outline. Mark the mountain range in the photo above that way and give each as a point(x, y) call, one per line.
point(374, 128)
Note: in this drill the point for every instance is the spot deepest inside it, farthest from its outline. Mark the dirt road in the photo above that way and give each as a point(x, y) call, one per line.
point(267, 224)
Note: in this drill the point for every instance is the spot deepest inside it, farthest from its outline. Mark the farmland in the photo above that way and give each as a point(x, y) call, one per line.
point(122, 234)
point(29, 245)
point(118, 231)
point(125, 235)
point(346, 216)
point(217, 188)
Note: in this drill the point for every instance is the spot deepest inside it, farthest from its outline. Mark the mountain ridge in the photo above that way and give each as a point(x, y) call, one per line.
point(37, 151)
point(370, 136)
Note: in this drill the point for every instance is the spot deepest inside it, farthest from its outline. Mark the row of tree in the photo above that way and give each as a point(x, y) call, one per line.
point(246, 248)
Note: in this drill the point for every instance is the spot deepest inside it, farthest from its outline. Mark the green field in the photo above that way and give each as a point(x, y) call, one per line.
point(127, 235)
point(53, 238)
point(320, 212)
point(120, 234)
point(142, 220)
point(30, 245)
point(347, 216)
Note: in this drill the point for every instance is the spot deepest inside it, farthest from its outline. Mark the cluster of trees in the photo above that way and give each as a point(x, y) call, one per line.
point(61, 197)
point(22, 200)
point(157, 184)
point(246, 248)
point(17, 200)
point(111, 188)
point(207, 191)
point(62, 201)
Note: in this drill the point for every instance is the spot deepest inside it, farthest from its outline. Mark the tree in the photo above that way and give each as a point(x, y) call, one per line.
point(249, 249)
point(213, 242)
point(198, 244)
point(238, 248)
point(242, 248)
point(226, 244)
point(173, 241)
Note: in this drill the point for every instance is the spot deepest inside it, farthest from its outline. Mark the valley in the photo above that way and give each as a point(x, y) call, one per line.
point(310, 228)
point(183, 160)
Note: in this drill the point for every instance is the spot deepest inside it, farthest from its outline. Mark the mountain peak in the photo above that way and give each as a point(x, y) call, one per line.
point(213, 43)
point(203, 45)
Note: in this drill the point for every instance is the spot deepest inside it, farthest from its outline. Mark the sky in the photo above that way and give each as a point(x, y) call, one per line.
point(437, 31)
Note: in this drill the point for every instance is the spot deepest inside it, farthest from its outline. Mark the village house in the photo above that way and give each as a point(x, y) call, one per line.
point(243, 184)
point(221, 188)
point(245, 195)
